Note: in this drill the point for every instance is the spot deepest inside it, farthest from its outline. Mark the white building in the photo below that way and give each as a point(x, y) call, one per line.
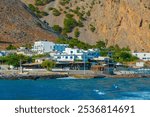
point(92, 53)
point(70, 54)
point(60, 47)
point(140, 64)
point(40, 60)
point(75, 51)
point(3, 53)
point(64, 57)
point(142, 56)
point(42, 47)
point(75, 54)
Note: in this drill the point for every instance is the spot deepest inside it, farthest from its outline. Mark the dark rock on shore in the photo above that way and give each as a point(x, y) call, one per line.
point(32, 77)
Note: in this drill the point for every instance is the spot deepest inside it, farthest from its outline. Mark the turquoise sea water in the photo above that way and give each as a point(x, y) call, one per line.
point(75, 89)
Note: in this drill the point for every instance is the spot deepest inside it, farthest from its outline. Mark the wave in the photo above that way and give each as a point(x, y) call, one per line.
point(99, 92)
point(66, 78)
point(136, 95)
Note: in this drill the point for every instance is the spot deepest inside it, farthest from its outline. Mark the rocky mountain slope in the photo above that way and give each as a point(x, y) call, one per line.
point(18, 26)
point(122, 22)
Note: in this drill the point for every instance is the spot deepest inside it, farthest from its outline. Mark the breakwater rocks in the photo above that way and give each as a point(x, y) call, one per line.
point(31, 77)
point(128, 76)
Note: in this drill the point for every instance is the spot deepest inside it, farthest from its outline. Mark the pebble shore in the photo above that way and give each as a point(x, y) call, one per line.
point(54, 75)
point(31, 76)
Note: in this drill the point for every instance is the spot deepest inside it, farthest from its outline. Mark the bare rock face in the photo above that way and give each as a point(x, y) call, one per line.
point(126, 23)
point(18, 26)
point(122, 22)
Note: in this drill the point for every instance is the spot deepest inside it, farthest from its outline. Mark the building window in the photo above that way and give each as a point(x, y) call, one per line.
point(71, 52)
point(66, 57)
point(71, 57)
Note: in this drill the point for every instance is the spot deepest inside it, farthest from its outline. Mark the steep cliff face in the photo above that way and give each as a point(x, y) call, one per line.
point(122, 22)
point(126, 23)
point(18, 26)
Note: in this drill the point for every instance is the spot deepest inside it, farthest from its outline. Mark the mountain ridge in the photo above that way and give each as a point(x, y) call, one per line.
point(116, 22)
point(19, 27)
point(122, 22)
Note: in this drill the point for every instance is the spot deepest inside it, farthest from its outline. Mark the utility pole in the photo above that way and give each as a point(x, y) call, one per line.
point(21, 69)
point(84, 63)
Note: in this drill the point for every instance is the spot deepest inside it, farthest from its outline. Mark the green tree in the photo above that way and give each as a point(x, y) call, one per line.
point(80, 24)
point(32, 7)
point(100, 44)
point(14, 59)
point(11, 47)
point(56, 12)
point(92, 28)
point(69, 24)
point(74, 42)
point(42, 2)
point(48, 64)
point(125, 56)
point(57, 28)
point(76, 33)
point(37, 12)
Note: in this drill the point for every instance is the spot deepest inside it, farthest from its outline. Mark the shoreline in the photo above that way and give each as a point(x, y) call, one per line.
point(32, 76)
point(60, 75)
point(35, 75)
point(128, 76)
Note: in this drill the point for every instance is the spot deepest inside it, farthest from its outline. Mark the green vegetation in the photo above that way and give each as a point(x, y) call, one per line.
point(40, 56)
point(48, 64)
point(78, 13)
point(11, 47)
point(14, 59)
point(76, 33)
point(92, 28)
point(28, 46)
point(57, 28)
point(80, 24)
point(37, 12)
point(69, 24)
point(56, 12)
point(74, 43)
point(33, 8)
point(69, 15)
point(88, 13)
point(100, 45)
point(42, 2)
point(122, 54)
point(64, 2)
point(118, 54)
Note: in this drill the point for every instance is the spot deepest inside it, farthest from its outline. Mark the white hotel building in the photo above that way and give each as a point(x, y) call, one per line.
point(62, 52)
point(69, 55)
point(142, 56)
point(75, 54)
point(42, 47)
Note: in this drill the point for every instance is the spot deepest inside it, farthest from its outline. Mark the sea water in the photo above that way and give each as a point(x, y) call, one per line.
point(76, 89)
